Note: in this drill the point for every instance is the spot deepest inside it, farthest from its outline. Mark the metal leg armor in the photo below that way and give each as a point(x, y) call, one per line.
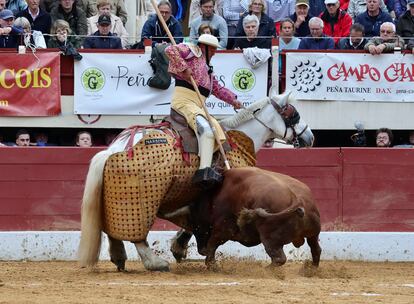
point(205, 176)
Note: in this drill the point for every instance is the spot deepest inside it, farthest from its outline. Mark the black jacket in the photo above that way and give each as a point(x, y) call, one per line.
point(96, 41)
point(405, 26)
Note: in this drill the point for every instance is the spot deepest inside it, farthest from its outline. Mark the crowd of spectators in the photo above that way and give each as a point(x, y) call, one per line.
point(38, 21)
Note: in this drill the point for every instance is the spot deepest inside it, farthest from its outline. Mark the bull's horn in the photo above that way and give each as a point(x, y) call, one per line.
point(179, 212)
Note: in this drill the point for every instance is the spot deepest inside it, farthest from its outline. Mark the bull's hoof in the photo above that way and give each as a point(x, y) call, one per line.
point(207, 178)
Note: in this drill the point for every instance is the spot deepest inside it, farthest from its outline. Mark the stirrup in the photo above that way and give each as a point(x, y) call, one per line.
point(207, 178)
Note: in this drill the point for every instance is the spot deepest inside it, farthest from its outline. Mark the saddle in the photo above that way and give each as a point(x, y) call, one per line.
point(188, 136)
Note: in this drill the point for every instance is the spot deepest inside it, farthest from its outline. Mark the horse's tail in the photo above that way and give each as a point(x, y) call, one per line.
point(91, 214)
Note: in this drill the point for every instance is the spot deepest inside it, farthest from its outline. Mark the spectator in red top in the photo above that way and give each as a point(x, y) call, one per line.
point(337, 22)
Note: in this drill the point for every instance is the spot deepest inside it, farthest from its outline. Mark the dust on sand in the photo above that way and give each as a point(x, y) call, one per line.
point(236, 281)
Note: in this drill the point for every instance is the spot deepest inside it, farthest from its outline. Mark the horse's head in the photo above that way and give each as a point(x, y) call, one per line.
point(300, 133)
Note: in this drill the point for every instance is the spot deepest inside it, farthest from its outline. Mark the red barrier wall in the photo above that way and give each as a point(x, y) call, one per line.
point(356, 189)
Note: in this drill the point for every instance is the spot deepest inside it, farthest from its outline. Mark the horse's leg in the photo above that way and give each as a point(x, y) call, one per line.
point(179, 244)
point(117, 253)
point(315, 249)
point(150, 260)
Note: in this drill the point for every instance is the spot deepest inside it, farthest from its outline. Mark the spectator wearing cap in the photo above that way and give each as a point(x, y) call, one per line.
point(266, 25)
point(117, 27)
point(103, 38)
point(405, 25)
point(317, 40)
point(39, 19)
point(372, 18)
point(76, 17)
point(301, 18)
point(15, 5)
point(357, 7)
point(251, 28)
point(356, 40)
point(387, 42)
point(337, 22)
point(9, 34)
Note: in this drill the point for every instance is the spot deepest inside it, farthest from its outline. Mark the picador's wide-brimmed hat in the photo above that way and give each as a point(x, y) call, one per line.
point(208, 39)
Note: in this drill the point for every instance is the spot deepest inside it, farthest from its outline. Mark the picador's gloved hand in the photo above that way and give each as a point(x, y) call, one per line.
point(237, 104)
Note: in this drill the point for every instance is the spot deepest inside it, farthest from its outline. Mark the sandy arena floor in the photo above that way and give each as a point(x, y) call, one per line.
point(190, 282)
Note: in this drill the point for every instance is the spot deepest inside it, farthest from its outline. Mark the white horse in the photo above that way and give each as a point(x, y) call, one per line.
point(263, 120)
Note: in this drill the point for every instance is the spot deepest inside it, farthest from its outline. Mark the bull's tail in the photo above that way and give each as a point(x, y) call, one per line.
point(248, 216)
point(91, 214)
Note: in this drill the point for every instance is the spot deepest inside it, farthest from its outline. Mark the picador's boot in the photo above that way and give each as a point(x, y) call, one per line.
point(206, 177)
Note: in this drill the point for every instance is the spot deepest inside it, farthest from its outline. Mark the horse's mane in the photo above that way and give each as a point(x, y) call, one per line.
point(243, 115)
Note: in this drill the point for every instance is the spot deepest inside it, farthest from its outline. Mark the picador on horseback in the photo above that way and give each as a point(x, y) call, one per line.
point(194, 60)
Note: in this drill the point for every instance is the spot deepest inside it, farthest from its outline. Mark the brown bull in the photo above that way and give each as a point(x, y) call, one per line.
point(256, 206)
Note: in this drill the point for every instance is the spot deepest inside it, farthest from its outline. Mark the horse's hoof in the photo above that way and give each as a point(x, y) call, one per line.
point(120, 265)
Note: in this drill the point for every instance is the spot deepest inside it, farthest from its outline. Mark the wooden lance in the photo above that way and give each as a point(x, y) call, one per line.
point(167, 30)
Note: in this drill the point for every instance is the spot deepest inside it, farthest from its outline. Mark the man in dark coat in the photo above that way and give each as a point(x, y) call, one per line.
point(9, 34)
point(103, 38)
point(39, 19)
point(301, 18)
point(405, 25)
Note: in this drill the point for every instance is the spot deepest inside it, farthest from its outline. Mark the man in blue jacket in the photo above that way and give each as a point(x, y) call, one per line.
point(153, 28)
point(317, 40)
point(372, 18)
point(103, 38)
point(9, 34)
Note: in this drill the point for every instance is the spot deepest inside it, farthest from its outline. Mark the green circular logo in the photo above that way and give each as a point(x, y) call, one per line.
point(243, 80)
point(93, 79)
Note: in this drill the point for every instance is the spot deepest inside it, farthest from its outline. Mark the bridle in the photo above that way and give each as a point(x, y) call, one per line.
point(290, 117)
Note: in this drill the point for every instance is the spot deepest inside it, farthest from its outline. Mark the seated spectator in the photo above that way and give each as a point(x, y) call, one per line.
point(266, 25)
point(279, 10)
point(337, 23)
point(103, 38)
point(287, 41)
point(88, 6)
point(205, 29)
point(405, 25)
point(357, 7)
point(83, 139)
point(9, 34)
point(215, 21)
point(117, 27)
point(251, 28)
point(384, 138)
point(387, 42)
point(400, 7)
point(31, 38)
point(154, 30)
point(301, 18)
point(22, 138)
point(15, 6)
point(372, 18)
point(233, 10)
point(195, 9)
point(62, 38)
point(410, 143)
point(76, 17)
point(356, 40)
point(41, 139)
point(39, 19)
point(317, 40)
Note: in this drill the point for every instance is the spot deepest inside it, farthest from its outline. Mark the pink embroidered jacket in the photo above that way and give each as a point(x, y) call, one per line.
point(178, 63)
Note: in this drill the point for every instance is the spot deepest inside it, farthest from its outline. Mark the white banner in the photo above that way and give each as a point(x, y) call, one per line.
point(116, 84)
point(353, 77)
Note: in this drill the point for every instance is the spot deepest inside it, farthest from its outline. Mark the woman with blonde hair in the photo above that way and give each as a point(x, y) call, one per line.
point(117, 27)
point(31, 38)
point(62, 39)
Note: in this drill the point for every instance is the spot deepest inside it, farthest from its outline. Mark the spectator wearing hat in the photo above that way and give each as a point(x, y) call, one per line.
point(9, 34)
point(337, 22)
point(317, 40)
point(117, 27)
point(39, 19)
point(372, 18)
point(301, 18)
point(405, 25)
point(266, 24)
point(356, 40)
point(103, 38)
